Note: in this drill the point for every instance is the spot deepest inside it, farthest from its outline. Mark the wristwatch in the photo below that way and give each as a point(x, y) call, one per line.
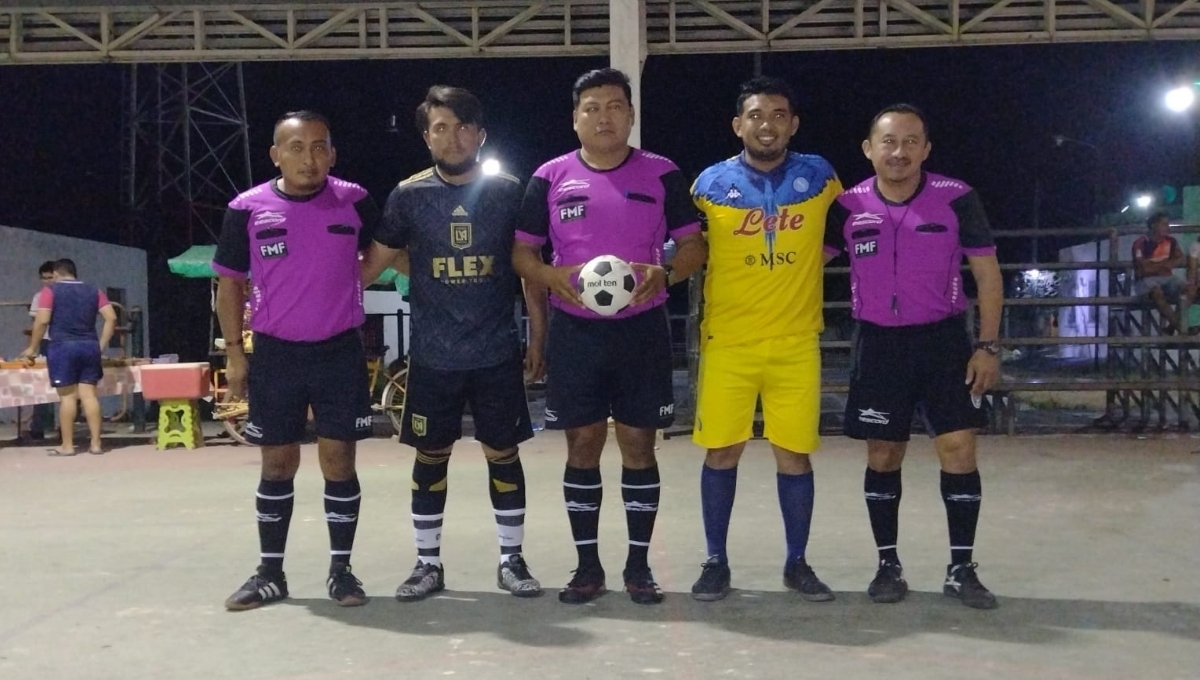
point(990, 346)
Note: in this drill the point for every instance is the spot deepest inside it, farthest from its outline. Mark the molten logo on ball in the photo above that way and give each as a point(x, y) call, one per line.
point(606, 284)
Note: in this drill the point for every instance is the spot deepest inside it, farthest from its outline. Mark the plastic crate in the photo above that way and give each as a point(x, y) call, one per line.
point(175, 381)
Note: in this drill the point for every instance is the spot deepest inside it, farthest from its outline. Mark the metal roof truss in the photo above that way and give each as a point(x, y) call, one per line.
point(167, 32)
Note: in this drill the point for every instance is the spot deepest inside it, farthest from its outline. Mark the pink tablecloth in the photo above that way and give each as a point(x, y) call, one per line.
point(29, 386)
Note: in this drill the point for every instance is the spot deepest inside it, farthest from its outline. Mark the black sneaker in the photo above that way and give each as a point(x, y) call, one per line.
point(961, 582)
point(587, 585)
point(513, 575)
point(425, 580)
point(264, 587)
point(798, 576)
point(713, 583)
point(889, 584)
point(640, 585)
point(344, 588)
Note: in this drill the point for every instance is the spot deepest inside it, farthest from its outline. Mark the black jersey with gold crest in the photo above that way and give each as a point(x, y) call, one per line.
point(462, 284)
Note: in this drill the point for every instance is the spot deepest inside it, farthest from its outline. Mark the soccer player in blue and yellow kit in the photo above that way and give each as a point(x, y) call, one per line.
point(765, 211)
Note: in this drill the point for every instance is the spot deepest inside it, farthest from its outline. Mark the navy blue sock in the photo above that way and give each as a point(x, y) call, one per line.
point(717, 489)
point(796, 504)
point(962, 494)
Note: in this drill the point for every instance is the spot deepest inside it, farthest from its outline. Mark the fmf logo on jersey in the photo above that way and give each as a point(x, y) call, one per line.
point(866, 248)
point(866, 218)
point(572, 212)
point(363, 423)
point(668, 410)
point(273, 249)
point(757, 221)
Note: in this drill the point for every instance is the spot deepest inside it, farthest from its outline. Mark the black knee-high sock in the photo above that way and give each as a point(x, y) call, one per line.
point(583, 492)
point(429, 504)
point(882, 492)
point(507, 489)
point(640, 489)
point(273, 506)
point(342, 501)
point(962, 495)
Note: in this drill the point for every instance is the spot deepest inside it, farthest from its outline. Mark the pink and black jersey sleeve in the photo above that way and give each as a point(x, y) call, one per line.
point(680, 212)
point(835, 229)
point(974, 233)
point(233, 246)
point(369, 217)
point(533, 222)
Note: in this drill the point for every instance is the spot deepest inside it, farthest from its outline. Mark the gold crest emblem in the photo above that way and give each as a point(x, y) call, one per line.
point(460, 235)
point(419, 425)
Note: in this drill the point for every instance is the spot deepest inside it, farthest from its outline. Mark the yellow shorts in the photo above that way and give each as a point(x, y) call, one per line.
point(784, 371)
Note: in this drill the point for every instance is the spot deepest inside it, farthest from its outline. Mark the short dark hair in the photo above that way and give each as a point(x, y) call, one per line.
point(65, 266)
point(46, 268)
point(900, 108)
point(466, 106)
point(306, 115)
point(1155, 217)
point(766, 85)
point(599, 78)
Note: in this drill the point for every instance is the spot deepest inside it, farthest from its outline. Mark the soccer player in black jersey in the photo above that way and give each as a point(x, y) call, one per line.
point(451, 228)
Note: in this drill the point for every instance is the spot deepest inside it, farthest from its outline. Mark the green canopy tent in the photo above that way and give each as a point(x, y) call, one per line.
point(196, 263)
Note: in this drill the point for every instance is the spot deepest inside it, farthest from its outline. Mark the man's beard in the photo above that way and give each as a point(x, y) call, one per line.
point(766, 155)
point(454, 169)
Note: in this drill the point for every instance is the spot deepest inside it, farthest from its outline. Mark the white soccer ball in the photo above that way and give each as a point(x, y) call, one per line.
point(606, 284)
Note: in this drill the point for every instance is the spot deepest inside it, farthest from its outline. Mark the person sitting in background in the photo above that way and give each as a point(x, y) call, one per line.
point(1155, 257)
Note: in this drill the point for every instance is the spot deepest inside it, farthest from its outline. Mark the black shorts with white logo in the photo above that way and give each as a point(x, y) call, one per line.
point(434, 401)
point(596, 368)
point(901, 370)
point(287, 378)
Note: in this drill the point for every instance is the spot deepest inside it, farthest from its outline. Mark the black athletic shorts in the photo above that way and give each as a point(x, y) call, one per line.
point(434, 401)
point(286, 378)
point(897, 371)
point(596, 368)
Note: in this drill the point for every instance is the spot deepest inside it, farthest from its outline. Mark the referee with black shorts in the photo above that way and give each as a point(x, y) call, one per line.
point(297, 238)
point(907, 231)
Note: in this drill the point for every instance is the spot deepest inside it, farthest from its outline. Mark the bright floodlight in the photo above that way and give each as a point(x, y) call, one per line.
point(1181, 99)
point(491, 167)
point(1143, 201)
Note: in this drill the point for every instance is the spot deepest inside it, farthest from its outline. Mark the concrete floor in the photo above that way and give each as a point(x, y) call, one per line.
point(117, 567)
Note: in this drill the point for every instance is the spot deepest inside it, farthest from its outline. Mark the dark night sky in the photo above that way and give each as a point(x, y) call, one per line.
point(993, 113)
